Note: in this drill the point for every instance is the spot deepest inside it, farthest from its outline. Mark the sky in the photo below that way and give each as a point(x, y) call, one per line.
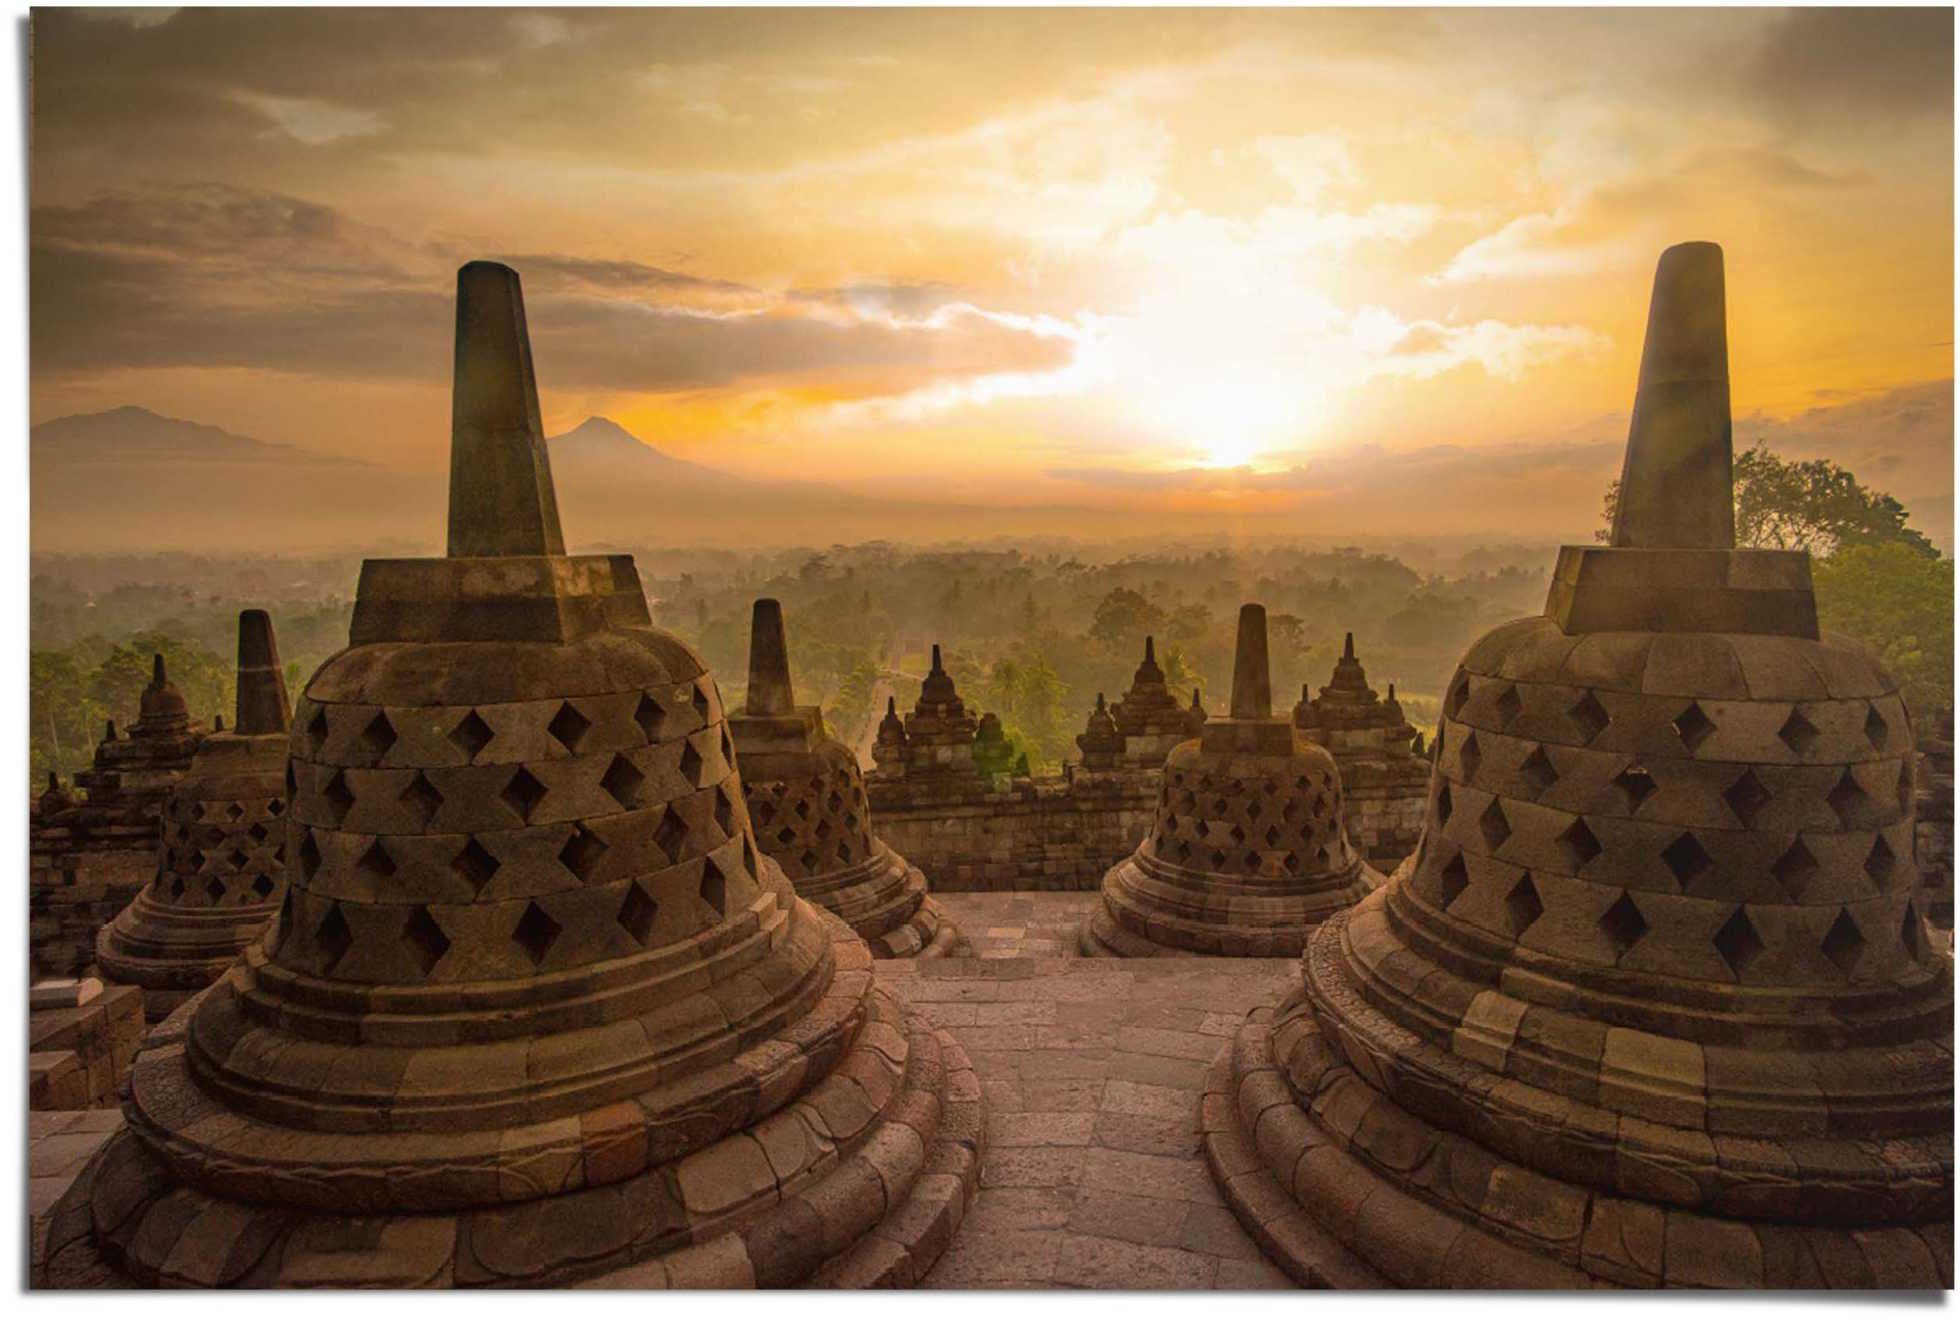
point(1350, 271)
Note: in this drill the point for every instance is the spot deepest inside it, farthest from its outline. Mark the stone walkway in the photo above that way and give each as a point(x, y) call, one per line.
point(1092, 1071)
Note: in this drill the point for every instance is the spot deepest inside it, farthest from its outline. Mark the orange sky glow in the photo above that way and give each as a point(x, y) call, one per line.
point(1370, 267)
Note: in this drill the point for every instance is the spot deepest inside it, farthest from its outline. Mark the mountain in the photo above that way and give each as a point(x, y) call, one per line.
point(137, 435)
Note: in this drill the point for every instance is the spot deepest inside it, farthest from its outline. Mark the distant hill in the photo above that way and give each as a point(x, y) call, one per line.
point(137, 435)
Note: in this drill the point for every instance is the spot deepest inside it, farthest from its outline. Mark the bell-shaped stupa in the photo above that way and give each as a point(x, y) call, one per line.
point(805, 793)
point(536, 1009)
point(1652, 1003)
point(221, 871)
point(1100, 742)
point(139, 768)
point(1247, 852)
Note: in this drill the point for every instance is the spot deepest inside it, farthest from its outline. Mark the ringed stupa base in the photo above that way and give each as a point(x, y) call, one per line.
point(854, 1180)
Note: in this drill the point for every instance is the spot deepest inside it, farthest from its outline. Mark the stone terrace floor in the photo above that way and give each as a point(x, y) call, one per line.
point(1092, 1071)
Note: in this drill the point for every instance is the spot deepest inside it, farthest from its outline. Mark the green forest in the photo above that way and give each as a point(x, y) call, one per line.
point(1031, 633)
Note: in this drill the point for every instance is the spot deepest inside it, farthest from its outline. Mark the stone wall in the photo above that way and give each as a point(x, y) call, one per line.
point(79, 1054)
point(1933, 838)
point(1385, 804)
point(1054, 833)
point(72, 894)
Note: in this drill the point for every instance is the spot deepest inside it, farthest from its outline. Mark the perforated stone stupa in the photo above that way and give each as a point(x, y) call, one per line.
point(1247, 852)
point(805, 794)
point(221, 871)
point(536, 1009)
point(1652, 1004)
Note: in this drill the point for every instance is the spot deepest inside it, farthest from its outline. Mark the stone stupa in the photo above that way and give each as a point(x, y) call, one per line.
point(1247, 852)
point(221, 871)
point(805, 793)
point(536, 1009)
point(1652, 1004)
point(1148, 716)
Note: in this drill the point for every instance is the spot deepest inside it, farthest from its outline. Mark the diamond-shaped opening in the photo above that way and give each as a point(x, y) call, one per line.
point(1798, 733)
point(237, 859)
point(1579, 845)
point(569, 726)
point(1687, 859)
point(523, 793)
point(1877, 731)
point(651, 717)
point(623, 781)
point(1217, 860)
point(1291, 811)
point(1844, 943)
point(196, 859)
point(1636, 785)
point(786, 836)
point(762, 810)
point(1184, 850)
point(338, 797)
point(1848, 799)
point(835, 801)
point(1444, 805)
point(233, 811)
point(1794, 869)
point(1879, 861)
point(1509, 705)
point(700, 700)
point(1459, 693)
point(582, 852)
point(823, 830)
point(1623, 924)
point(476, 864)
point(378, 736)
point(424, 940)
point(714, 887)
point(258, 832)
point(1747, 797)
point(376, 862)
point(802, 808)
point(1238, 834)
point(1538, 771)
point(636, 914)
point(309, 854)
point(1494, 825)
point(1252, 812)
point(1273, 836)
point(1522, 906)
point(471, 735)
point(263, 886)
point(671, 835)
point(316, 728)
point(274, 807)
point(1738, 942)
point(332, 937)
point(1912, 933)
point(1590, 715)
point(1693, 726)
point(725, 813)
point(536, 932)
point(215, 889)
point(1470, 756)
point(691, 767)
point(421, 797)
point(1249, 862)
point(177, 886)
point(1454, 879)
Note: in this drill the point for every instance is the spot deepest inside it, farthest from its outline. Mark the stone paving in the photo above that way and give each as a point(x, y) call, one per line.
point(1092, 1070)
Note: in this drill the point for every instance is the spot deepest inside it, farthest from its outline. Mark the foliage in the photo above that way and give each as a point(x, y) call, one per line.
point(1900, 603)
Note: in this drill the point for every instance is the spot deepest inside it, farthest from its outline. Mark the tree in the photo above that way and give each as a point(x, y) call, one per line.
point(1122, 618)
point(1817, 506)
point(1899, 603)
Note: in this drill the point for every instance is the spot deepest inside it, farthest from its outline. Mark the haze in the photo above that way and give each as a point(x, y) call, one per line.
point(1359, 274)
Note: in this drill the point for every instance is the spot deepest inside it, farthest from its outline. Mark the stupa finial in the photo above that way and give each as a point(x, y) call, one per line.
point(1347, 649)
point(1677, 488)
point(157, 676)
point(769, 692)
point(1149, 650)
point(1252, 686)
point(262, 705)
point(501, 500)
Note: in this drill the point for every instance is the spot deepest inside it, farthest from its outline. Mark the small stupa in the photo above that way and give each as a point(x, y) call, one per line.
point(1350, 719)
point(805, 794)
point(1247, 852)
point(536, 1009)
point(939, 733)
point(888, 746)
point(1652, 1004)
point(1148, 716)
point(1100, 742)
point(221, 871)
point(139, 768)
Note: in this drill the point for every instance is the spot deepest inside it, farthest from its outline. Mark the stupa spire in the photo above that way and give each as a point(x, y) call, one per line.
point(157, 677)
point(1677, 488)
point(262, 706)
point(1347, 648)
point(769, 692)
point(1252, 685)
point(501, 500)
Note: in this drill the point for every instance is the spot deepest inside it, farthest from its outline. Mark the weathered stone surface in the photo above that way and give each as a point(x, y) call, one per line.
point(1655, 987)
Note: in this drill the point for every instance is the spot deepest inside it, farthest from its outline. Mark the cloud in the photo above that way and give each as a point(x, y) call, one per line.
point(311, 121)
point(1363, 469)
point(1839, 68)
